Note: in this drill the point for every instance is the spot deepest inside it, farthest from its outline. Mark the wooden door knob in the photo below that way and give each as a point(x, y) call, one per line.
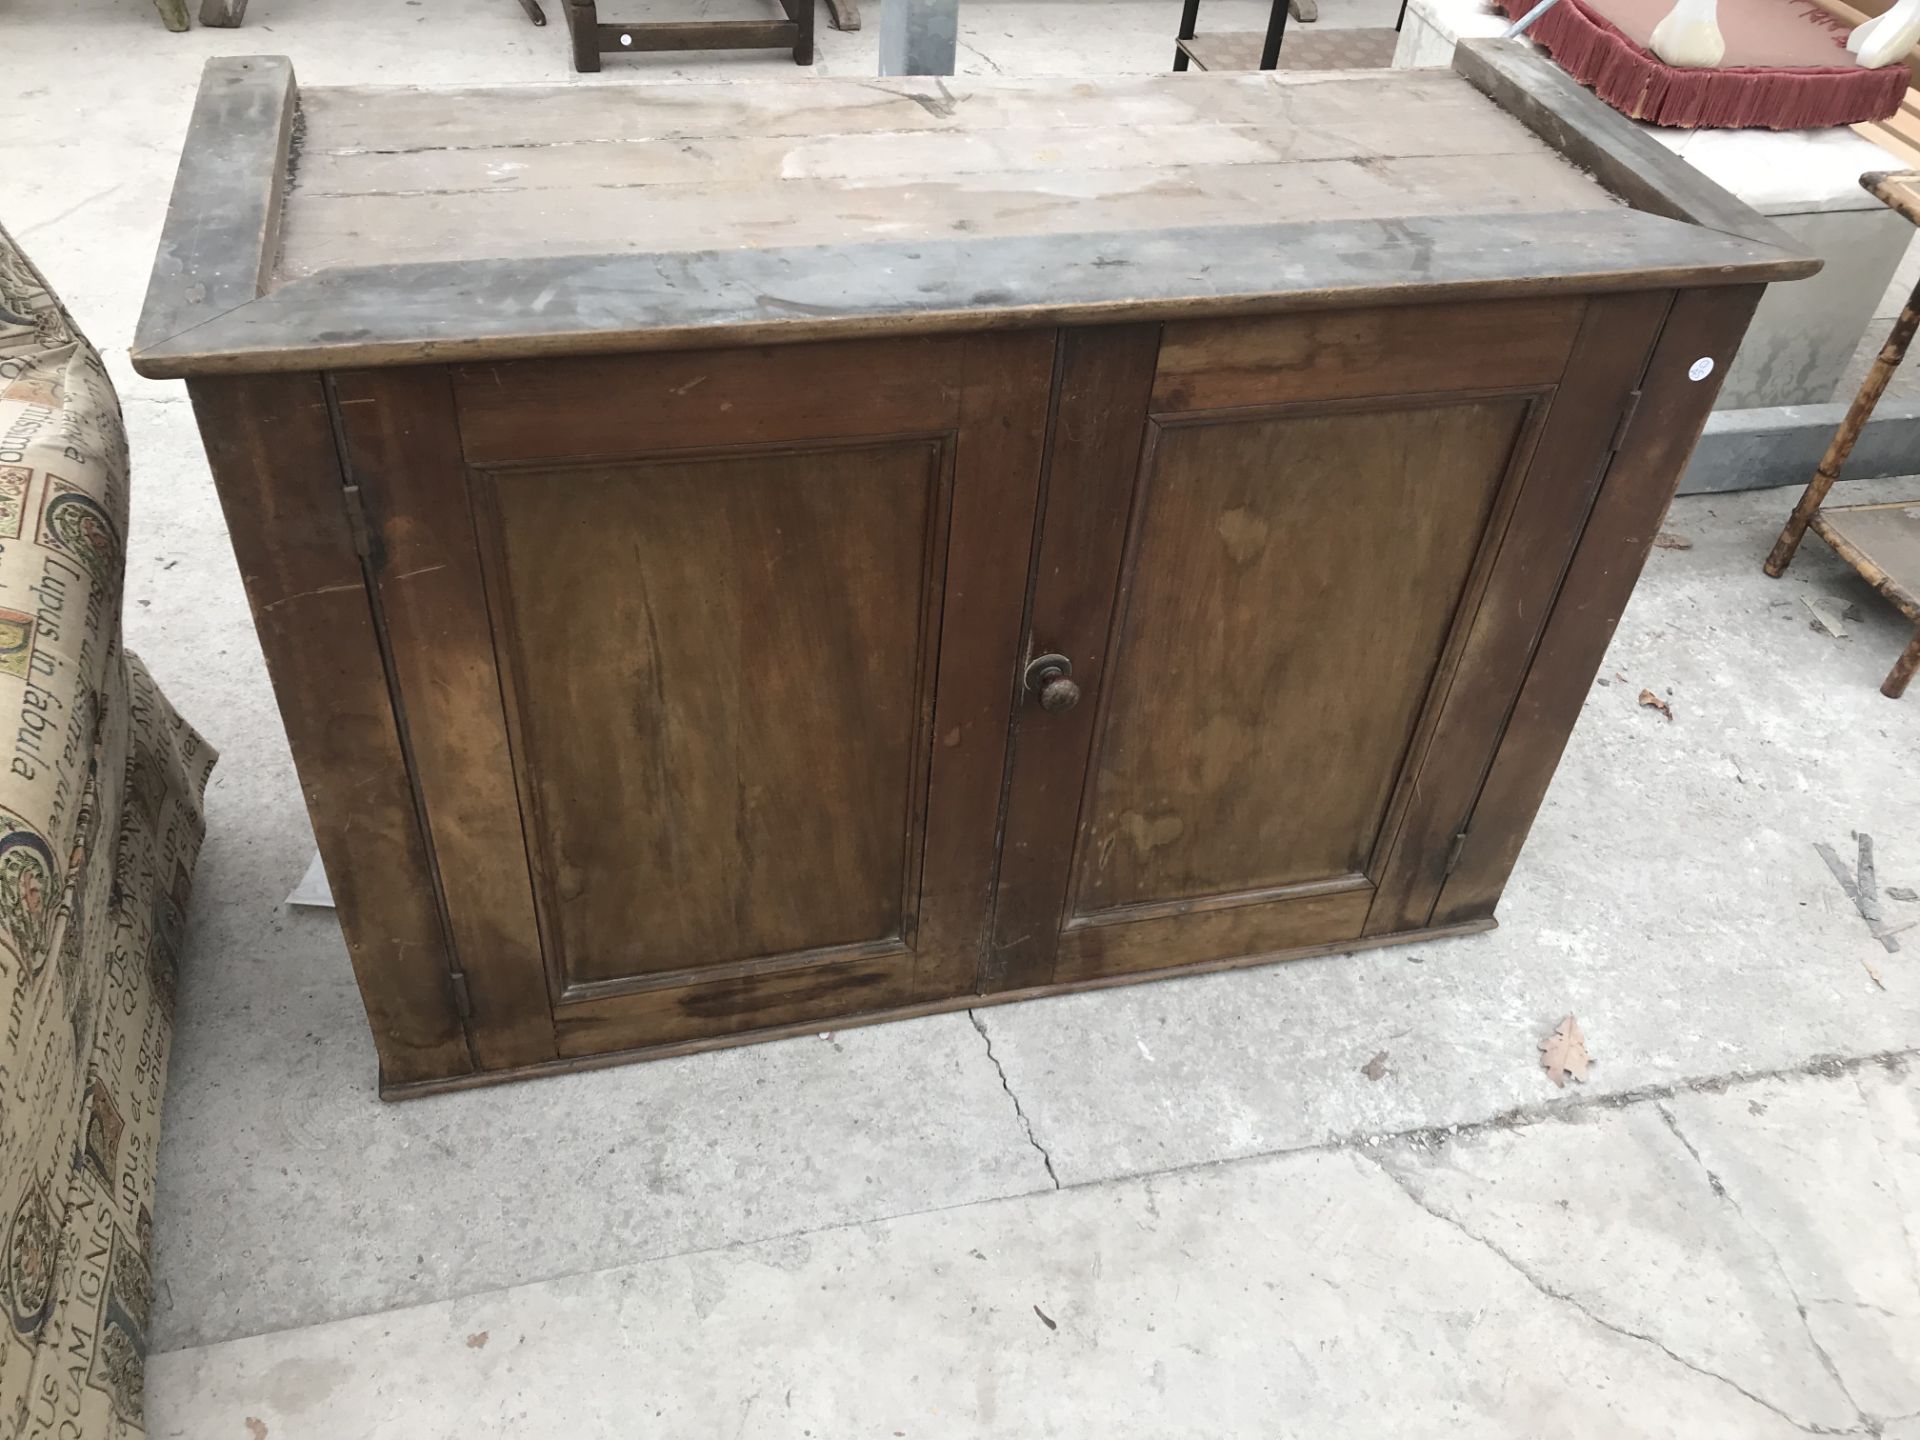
point(1050, 677)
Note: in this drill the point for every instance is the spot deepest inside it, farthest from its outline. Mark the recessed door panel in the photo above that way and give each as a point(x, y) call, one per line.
point(721, 673)
point(1290, 588)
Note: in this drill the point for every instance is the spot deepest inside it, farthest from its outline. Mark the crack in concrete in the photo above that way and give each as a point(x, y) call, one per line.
point(1433, 1137)
point(1019, 1110)
point(1539, 1284)
point(1825, 1066)
point(81, 204)
point(1719, 1188)
point(985, 59)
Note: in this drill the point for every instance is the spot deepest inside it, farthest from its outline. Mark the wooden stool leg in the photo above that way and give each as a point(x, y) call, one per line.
point(1858, 414)
point(803, 42)
point(583, 26)
point(1903, 668)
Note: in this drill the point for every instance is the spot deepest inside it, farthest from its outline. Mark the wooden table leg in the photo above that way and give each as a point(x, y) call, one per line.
point(1858, 414)
point(222, 13)
point(801, 13)
point(843, 14)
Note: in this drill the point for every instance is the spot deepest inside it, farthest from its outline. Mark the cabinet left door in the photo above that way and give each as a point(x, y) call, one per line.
point(702, 662)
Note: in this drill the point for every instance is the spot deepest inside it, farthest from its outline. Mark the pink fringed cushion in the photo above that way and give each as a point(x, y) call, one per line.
point(1786, 67)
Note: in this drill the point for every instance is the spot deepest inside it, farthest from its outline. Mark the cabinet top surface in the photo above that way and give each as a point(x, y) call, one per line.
point(383, 225)
point(389, 176)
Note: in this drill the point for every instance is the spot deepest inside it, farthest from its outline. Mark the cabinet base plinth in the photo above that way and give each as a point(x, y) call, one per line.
point(415, 1089)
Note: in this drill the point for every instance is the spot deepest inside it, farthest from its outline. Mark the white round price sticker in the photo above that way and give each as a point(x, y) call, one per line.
point(1700, 368)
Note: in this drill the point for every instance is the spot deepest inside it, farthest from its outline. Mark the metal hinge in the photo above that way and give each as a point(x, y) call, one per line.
point(1626, 419)
point(357, 520)
point(1454, 852)
point(462, 997)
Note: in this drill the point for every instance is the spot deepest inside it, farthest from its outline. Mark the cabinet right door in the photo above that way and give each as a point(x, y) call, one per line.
point(1298, 565)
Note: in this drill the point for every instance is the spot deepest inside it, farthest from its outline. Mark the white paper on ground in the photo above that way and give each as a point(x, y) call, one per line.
point(313, 888)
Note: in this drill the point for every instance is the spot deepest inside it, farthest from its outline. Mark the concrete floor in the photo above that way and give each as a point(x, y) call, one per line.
point(1177, 1209)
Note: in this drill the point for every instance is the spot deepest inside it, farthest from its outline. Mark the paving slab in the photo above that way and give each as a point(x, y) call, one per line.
point(1307, 1296)
point(311, 1200)
point(1669, 896)
point(1827, 1173)
point(1610, 1209)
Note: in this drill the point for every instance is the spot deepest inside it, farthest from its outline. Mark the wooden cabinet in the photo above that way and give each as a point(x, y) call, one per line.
point(675, 664)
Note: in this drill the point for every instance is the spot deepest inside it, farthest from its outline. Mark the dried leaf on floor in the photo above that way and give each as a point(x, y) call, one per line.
point(478, 1340)
point(1654, 702)
point(1901, 892)
point(1046, 1319)
point(1873, 972)
point(1564, 1053)
point(1376, 1067)
point(1667, 540)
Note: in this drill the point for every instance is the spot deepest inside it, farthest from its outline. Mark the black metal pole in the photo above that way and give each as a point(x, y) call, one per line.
point(1189, 17)
point(1276, 31)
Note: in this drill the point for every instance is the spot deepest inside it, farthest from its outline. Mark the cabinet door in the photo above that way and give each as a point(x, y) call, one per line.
point(1298, 592)
point(704, 663)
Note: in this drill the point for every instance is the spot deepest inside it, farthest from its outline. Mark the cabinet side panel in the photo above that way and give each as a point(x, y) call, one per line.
point(270, 444)
point(1703, 324)
point(1538, 541)
point(403, 450)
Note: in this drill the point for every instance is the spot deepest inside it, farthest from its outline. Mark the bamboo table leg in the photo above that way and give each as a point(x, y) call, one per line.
point(1888, 360)
point(1895, 684)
